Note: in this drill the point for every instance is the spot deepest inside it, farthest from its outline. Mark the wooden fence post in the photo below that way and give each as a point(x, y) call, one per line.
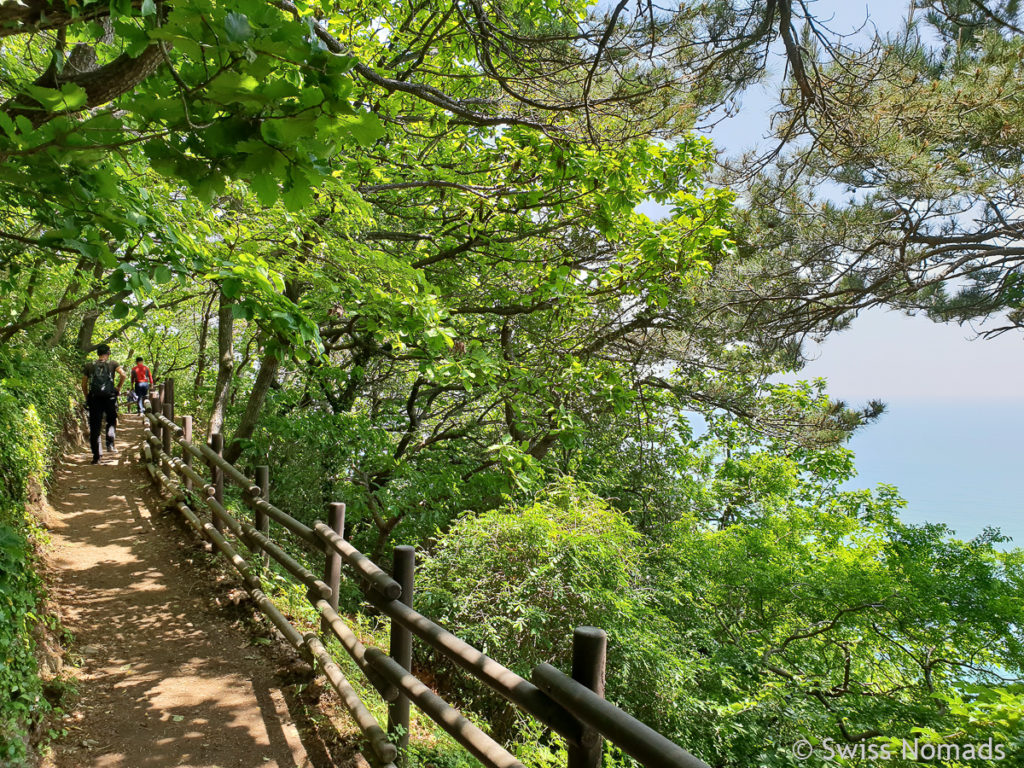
point(401, 648)
point(217, 476)
point(155, 406)
point(169, 396)
point(332, 567)
point(589, 651)
point(168, 433)
point(260, 519)
point(186, 456)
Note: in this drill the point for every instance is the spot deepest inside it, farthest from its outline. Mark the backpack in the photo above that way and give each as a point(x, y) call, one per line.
point(101, 381)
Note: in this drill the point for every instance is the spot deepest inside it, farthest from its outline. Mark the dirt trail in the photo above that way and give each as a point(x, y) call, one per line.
point(165, 681)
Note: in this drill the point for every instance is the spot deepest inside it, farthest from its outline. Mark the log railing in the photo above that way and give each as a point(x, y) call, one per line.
point(572, 706)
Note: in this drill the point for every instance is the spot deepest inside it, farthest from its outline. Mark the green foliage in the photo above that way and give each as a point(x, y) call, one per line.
point(516, 582)
point(823, 616)
point(814, 607)
point(20, 691)
point(34, 405)
point(930, 122)
point(537, 573)
point(433, 245)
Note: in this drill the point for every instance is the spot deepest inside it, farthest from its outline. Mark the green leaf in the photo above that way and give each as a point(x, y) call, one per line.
point(120, 311)
point(7, 125)
point(148, 7)
point(162, 274)
point(297, 197)
point(106, 256)
point(231, 287)
point(287, 131)
point(237, 26)
point(69, 97)
point(232, 86)
point(265, 187)
point(365, 128)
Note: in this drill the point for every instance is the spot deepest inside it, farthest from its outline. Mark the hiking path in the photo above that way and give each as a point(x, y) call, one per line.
point(166, 677)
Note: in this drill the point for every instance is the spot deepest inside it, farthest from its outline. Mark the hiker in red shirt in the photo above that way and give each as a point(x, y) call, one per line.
point(142, 379)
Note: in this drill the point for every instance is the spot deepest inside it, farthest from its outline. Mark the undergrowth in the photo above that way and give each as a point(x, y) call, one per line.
point(34, 410)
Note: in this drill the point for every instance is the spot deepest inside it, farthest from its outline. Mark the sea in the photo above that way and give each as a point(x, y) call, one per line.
point(955, 462)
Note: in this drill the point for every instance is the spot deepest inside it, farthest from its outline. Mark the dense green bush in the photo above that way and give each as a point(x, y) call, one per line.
point(35, 403)
point(526, 579)
point(516, 583)
point(830, 620)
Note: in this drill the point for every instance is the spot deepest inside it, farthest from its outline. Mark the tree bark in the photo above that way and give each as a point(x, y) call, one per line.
point(8, 331)
point(204, 335)
point(269, 366)
point(85, 332)
point(33, 16)
point(101, 85)
point(66, 305)
point(226, 364)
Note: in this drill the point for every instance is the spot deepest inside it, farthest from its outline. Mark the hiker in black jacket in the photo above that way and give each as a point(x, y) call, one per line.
point(101, 397)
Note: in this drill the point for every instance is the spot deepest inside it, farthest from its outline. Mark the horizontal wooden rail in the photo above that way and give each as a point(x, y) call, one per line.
point(248, 534)
point(164, 422)
point(497, 677)
point(301, 530)
point(483, 747)
point(230, 471)
point(629, 734)
point(379, 580)
point(384, 750)
point(355, 649)
point(190, 448)
point(198, 481)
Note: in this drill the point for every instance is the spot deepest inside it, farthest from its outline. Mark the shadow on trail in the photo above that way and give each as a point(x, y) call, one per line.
point(164, 682)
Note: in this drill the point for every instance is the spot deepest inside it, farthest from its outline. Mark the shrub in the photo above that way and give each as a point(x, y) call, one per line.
point(813, 622)
point(516, 582)
point(524, 578)
point(33, 411)
point(20, 691)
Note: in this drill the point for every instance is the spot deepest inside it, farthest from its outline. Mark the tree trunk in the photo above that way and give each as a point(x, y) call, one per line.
point(59, 329)
point(84, 343)
point(225, 365)
point(101, 85)
point(204, 334)
point(269, 366)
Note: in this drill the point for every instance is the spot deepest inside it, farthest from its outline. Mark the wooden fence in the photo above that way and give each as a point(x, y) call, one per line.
point(572, 706)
